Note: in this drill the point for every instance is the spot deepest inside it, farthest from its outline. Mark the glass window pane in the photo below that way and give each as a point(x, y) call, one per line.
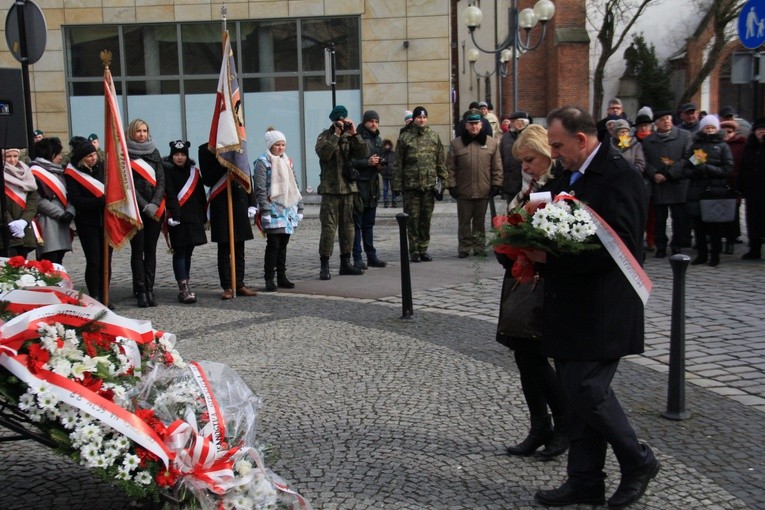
point(317, 34)
point(143, 88)
point(151, 50)
point(201, 87)
point(162, 112)
point(203, 48)
point(199, 113)
point(91, 88)
point(275, 84)
point(85, 46)
point(342, 82)
point(269, 46)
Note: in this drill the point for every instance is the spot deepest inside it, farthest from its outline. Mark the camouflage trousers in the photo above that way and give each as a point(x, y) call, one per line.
point(419, 206)
point(336, 215)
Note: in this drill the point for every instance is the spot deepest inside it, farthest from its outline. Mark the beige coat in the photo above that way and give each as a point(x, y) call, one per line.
point(475, 168)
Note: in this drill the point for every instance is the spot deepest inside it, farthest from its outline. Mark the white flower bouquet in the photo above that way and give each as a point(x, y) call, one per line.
point(115, 395)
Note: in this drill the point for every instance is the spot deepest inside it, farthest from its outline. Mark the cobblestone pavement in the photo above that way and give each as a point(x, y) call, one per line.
point(364, 410)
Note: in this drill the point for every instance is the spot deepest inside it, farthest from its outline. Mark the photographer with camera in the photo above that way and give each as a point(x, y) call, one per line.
point(336, 147)
point(368, 184)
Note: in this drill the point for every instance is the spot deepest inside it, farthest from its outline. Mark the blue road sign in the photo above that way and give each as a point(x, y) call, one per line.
point(751, 24)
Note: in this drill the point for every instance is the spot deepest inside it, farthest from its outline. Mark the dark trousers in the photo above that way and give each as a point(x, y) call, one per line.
point(364, 223)
point(276, 254)
point(56, 257)
point(539, 383)
point(713, 231)
point(143, 254)
point(224, 264)
point(182, 262)
point(19, 251)
point(681, 233)
point(471, 224)
point(595, 420)
point(92, 241)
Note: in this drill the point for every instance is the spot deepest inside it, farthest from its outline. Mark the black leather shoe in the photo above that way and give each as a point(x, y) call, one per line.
point(463, 255)
point(375, 262)
point(425, 257)
point(660, 253)
point(632, 488)
point(699, 260)
point(142, 301)
point(150, 298)
point(568, 494)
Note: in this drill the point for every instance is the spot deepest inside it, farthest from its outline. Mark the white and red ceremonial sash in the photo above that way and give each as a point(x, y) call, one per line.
point(146, 171)
point(217, 188)
point(54, 183)
point(18, 196)
point(90, 183)
point(188, 188)
point(623, 257)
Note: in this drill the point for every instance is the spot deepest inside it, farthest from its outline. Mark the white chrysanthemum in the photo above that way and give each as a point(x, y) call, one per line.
point(27, 280)
point(35, 414)
point(89, 451)
point(69, 418)
point(47, 400)
point(119, 443)
point(122, 474)
point(62, 367)
point(27, 401)
point(92, 433)
point(243, 467)
point(131, 462)
point(143, 478)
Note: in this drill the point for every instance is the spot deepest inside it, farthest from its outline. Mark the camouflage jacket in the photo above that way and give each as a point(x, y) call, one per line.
point(419, 160)
point(334, 151)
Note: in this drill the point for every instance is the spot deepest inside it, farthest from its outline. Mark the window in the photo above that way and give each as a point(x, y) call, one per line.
point(167, 74)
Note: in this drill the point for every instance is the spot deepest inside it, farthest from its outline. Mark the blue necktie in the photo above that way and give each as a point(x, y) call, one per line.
point(574, 177)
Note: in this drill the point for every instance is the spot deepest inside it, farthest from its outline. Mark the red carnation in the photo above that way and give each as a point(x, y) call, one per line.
point(166, 477)
point(17, 261)
point(38, 356)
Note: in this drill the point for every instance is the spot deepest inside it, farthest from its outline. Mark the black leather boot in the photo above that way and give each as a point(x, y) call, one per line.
point(270, 285)
point(283, 282)
point(558, 443)
point(324, 271)
point(141, 298)
point(373, 261)
point(540, 433)
point(150, 298)
point(358, 263)
point(346, 268)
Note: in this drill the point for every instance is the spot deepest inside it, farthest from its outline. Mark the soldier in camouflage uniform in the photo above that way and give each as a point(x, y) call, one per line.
point(419, 161)
point(336, 147)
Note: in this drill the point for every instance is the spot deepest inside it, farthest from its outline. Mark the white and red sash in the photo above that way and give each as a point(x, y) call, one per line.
point(216, 190)
point(90, 183)
point(146, 171)
point(188, 188)
point(54, 183)
point(16, 194)
point(623, 257)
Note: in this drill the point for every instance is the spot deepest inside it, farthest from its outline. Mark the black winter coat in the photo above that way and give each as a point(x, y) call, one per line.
point(193, 213)
point(144, 191)
point(368, 181)
point(751, 184)
point(713, 174)
point(212, 171)
point(90, 209)
point(591, 310)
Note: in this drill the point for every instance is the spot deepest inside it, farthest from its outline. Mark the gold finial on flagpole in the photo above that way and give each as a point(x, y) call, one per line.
point(106, 58)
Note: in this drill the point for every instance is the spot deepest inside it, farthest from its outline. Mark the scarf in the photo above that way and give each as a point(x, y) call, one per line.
point(20, 177)
point(528, 186)
point(284, 190)
point(140, 148)
point(49, 166)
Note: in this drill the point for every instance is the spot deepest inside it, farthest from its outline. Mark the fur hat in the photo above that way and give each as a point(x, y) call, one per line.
point(179, 146)
point(709, 120)
point(338, 112)
point(272, 136)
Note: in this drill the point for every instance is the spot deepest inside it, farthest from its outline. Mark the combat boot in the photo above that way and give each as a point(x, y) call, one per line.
point(346, 268)
point(324, 271)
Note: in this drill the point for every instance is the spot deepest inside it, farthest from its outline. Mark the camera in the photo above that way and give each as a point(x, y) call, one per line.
point(344, 125)
point(383, 161)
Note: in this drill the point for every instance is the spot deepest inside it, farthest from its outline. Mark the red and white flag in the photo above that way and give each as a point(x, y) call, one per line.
point(227, 135)
point(123, 218)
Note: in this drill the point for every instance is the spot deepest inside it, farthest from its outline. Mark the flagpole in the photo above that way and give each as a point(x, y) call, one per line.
point(229, 182)
point(106, 59)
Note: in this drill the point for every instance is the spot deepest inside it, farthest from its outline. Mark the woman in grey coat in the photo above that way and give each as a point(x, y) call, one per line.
point(54, 210)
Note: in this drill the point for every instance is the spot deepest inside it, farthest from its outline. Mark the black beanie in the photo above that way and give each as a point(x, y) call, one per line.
point(370, 115)
point(179, 146)
point(80, 149)
point(417, 112)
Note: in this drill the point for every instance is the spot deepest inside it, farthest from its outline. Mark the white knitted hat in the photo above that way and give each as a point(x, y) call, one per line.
point(274, 136)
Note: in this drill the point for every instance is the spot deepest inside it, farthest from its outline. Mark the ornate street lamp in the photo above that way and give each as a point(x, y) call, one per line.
point(472, 57)
point(520, 42)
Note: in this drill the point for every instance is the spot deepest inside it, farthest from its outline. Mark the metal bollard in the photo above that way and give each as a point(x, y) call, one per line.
point(406, 279)
point(676, 386)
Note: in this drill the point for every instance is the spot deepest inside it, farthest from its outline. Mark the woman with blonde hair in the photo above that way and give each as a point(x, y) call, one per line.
point(149, 182)
point(538, 379)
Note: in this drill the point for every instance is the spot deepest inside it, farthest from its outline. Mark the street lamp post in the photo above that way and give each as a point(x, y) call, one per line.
point(525, 20)
point(504, 56)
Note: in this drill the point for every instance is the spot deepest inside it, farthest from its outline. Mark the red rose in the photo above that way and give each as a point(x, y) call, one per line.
point(499, 221)
point(516, 219)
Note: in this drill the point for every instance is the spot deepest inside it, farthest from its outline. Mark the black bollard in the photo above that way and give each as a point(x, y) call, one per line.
point(676, 386)
point(406, 279)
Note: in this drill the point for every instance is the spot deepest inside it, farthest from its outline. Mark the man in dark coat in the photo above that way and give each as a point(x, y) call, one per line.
point(244, 208)
point(593, 317)
point(511, 167)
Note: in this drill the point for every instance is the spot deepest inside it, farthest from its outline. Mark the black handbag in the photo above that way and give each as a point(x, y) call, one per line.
point(521, 312)
point(717, 206)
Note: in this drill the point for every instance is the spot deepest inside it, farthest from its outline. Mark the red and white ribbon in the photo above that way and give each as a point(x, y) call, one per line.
point(216, 190)
point(49, 179)
point(623, 257)
point(146, 171)
point(90, 183)
point(188, 188)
